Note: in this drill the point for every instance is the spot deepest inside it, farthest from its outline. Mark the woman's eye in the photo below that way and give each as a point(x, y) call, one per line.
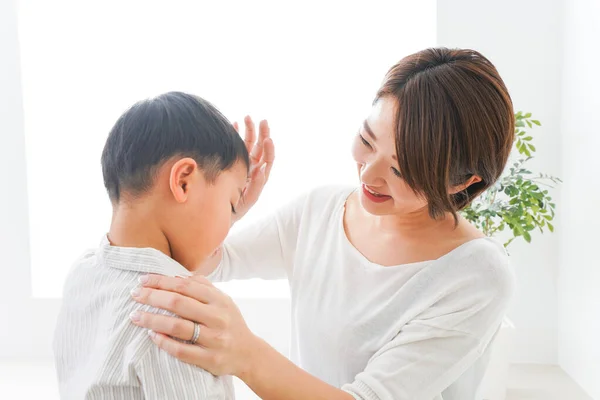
point(396, 172)
point(364, 141)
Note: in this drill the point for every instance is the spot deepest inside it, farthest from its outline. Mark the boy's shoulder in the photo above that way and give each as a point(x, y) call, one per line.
point(97, 303)
point(92, 284)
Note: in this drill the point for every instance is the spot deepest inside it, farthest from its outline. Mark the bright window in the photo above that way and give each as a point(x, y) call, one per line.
point(310, 67)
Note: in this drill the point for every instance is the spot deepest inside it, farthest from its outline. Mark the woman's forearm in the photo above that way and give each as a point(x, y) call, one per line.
point(273, 377)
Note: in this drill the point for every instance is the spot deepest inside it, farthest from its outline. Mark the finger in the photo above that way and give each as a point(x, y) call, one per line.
point(250, 134)
point(268, 156)
point(213, 338)
point(265, 164)
point(182, 306)
point(201, 279)
point(264, 132)
point(236, 127)
point(171, 326)
point(187, 353)
point(195, 288)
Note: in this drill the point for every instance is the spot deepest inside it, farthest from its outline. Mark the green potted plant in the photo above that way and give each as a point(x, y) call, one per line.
point(514, 207)
point(520, 201)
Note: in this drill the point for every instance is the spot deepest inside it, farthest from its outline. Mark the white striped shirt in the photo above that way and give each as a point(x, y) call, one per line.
point(100, 354)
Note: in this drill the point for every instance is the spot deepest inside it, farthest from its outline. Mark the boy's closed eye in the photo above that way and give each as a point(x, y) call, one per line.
point(234, 205)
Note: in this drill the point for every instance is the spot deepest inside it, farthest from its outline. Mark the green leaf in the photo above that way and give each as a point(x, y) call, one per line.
point(516, 232)
point(551, 227)
point(515, 202)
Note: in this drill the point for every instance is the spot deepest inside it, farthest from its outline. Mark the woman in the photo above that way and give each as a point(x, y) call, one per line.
point(394, 295)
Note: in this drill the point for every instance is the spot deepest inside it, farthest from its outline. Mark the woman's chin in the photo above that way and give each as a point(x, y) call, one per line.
point(374, 208)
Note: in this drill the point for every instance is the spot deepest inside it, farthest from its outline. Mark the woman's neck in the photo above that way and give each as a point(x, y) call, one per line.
point(415, 223)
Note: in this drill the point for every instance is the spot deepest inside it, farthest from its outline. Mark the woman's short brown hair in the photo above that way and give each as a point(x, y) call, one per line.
point(454, 119)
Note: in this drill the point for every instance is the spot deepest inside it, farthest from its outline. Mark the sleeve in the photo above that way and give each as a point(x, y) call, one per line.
point(439, 345)
point(264, 249)
point(162, 376)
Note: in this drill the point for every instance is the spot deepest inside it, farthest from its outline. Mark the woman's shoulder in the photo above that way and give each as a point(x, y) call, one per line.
point(481, 263)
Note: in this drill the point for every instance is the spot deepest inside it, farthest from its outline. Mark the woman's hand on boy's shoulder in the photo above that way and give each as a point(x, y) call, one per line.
point(262, 155)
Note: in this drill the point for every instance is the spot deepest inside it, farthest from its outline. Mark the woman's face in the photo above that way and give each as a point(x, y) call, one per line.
point(383, 191)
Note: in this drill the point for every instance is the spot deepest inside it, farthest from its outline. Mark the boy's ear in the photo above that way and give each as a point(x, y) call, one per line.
point(180, 178)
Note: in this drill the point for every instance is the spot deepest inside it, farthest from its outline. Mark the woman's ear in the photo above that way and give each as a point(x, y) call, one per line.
point(181, 177)
point(459, 188)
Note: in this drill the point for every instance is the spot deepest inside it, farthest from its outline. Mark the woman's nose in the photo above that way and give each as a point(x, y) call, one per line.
point(370, 173)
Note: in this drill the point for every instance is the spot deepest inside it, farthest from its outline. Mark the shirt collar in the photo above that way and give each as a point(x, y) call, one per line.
point(144, 260)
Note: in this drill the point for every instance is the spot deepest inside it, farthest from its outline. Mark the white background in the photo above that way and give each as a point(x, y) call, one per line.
point(311, 68)
point(579, 262)
point(69, 70)
point(543, 49)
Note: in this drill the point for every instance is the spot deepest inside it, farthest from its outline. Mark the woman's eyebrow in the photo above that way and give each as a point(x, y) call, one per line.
point(372, 135)
point(369, 130)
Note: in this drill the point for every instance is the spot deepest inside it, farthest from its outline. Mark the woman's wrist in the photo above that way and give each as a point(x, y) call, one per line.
point(257, 351)
point(272, 376)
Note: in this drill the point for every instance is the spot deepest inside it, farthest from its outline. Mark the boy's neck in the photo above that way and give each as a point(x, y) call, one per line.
point(137, 228)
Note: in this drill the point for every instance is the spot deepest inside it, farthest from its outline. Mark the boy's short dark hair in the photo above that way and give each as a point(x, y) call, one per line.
point(153, 131)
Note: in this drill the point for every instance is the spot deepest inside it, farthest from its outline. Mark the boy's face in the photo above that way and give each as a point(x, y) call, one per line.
point(199, 219)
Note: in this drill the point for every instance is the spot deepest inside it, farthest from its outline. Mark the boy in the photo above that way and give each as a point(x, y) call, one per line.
point(174, 169)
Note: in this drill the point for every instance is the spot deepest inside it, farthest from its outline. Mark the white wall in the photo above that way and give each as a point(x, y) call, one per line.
point(579, 268)
point(15, 303)
point(523, 40)
point(26, 323)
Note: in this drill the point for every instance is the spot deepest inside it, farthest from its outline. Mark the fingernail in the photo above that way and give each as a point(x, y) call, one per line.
point(135, 292)
point(151, 333)
point(135, 316)
point(143, 279)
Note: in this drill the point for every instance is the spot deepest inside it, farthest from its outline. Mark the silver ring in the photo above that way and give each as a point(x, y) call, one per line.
point(196, 334)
